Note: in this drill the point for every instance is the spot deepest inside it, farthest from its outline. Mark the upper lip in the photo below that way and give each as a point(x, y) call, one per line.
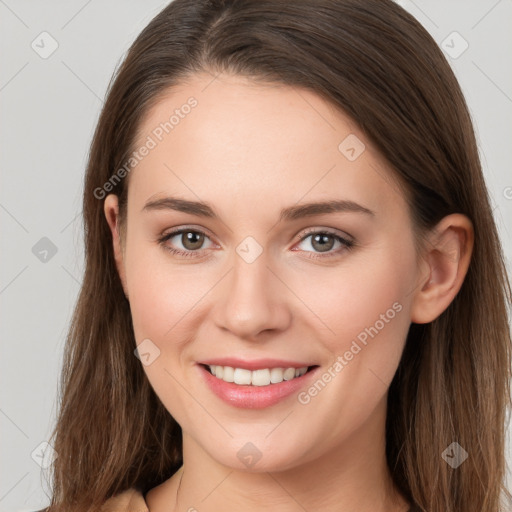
point(255, 364)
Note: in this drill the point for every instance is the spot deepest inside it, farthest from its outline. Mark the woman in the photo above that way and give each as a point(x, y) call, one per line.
point(295, 294)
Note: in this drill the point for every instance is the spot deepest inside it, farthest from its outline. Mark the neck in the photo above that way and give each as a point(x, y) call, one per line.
point(351, 476)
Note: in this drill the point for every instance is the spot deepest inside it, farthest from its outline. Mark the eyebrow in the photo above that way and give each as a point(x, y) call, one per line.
point(202, 209)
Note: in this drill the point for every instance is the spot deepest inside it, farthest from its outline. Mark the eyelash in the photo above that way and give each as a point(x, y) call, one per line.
point(348, 244)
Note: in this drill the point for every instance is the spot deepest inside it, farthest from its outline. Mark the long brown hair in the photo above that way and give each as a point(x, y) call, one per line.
point(377, 64)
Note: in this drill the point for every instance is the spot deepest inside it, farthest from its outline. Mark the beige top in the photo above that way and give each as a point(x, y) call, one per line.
point(130, 500)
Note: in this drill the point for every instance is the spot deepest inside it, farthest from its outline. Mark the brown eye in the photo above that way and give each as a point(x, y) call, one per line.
point(322, 242)
point(192, 240)
point(185, 242)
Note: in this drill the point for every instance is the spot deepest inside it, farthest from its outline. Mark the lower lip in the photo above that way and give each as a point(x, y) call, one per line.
point(254, 397)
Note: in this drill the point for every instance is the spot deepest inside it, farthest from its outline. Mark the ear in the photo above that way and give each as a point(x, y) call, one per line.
point(444, 266)
point(111, 208)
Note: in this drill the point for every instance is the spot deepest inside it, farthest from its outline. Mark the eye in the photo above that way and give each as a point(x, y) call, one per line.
point(190, 239)
point(322, 241)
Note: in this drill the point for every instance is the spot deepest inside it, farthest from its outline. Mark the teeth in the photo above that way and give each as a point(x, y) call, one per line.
point(262, 377)
point(228, 374)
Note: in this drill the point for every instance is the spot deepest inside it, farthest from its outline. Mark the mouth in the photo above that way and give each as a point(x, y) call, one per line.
point(258, 377)
point(258, 388)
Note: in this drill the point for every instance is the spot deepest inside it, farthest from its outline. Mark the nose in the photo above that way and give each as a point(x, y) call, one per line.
point(252, 299)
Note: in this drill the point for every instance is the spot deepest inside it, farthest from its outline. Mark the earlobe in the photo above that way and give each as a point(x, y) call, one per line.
point(111, 209)
point(445, 264)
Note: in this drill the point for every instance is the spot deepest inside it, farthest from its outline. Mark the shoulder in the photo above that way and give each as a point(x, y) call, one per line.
point(130, 500)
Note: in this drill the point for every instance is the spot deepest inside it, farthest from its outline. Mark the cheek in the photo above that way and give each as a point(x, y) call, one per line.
point(364, 303)
point(149, 295)
point(366, 307)
point(164, 297)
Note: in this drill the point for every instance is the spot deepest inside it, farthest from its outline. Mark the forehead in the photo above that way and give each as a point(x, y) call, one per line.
point(230, 138)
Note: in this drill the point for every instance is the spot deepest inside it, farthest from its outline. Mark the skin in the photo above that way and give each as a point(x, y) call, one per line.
point(250, 149)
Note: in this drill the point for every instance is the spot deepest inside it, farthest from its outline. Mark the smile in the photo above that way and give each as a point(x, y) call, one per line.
point(261, 377)
point(258, 388)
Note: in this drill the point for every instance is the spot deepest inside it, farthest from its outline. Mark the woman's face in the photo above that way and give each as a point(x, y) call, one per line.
point(269, 280)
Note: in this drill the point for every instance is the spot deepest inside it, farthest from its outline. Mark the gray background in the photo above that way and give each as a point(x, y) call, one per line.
point(49, 107)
